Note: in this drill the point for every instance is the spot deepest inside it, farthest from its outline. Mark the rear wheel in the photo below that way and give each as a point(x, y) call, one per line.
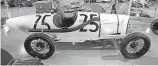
point(154, 26)
point(39, 45)
point(135, 45)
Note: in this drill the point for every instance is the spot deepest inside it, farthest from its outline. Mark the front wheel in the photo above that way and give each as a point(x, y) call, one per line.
point(135, 45)
point(39, 45)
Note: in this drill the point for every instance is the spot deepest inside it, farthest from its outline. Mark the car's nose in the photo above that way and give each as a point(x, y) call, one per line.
point(12, 22)
point(9, 23)
point(21, 23)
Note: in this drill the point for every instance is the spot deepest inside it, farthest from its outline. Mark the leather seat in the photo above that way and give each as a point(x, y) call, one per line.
point(57, 20)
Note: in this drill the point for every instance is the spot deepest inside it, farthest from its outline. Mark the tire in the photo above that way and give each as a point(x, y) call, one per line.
point(154, 26)
point(6, 57)
point(33, 53)
point(132, 37)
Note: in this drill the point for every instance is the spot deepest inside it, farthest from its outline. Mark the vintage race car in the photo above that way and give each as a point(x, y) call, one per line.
point(77, 26)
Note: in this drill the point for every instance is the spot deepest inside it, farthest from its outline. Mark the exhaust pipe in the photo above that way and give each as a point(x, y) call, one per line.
point(154, 26)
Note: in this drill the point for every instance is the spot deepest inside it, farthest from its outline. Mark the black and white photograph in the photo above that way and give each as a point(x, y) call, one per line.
point(79, 32)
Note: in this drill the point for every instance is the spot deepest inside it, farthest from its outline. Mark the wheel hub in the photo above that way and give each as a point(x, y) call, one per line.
point(135, 46)
point(40, 46)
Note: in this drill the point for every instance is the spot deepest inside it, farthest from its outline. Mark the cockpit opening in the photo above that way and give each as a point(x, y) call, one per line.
point(67, 21)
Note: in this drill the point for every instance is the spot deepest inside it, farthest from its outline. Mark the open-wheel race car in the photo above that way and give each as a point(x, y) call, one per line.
point(77, 26)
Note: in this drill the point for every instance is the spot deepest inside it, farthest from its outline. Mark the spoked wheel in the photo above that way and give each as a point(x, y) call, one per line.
point(135, 45)
point(154, 26)
point(39, 45)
